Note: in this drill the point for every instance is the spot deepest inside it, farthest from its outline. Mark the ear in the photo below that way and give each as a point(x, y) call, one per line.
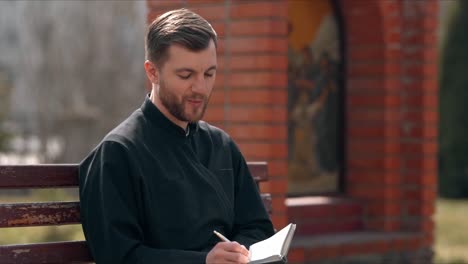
point(151, 72)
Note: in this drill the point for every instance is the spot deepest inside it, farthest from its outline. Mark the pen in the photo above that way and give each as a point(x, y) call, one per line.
point(223, 238)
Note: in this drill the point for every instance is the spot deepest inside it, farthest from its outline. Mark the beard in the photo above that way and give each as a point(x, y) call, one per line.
point(181, 109)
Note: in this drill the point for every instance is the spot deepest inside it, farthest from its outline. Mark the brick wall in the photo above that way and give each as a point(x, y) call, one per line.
point(391, 114)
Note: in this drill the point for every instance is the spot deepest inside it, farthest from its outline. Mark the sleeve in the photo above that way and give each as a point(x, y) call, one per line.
point(252, 222)
point(108, 200)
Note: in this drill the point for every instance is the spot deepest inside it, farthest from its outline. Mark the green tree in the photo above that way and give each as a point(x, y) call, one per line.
point(453, 125)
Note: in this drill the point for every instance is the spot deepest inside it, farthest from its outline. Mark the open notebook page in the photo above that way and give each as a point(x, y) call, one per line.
point(270, 246)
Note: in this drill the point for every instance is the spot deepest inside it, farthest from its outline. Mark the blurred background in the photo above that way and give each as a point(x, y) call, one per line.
point(72, 70)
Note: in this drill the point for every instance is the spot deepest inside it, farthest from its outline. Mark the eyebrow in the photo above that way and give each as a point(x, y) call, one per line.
point(192, 70)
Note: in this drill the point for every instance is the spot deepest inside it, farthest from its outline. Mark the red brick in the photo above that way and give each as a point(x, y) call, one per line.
point(413, 243)
point(257, 114)
point(214, 114)
point(379, 246)
point(259, 44)
point(393, 209)
point(425, 148)
point(391, 162)
point(217, 98)
point(368, 131)
point(373, 177)
point(263, 151)
point(425, 225)
point(277, 168)
point(355, 101)
point(296, 255)
point(374, 69)
point(258, 9)
point(278, 186)
point(165, 4)
point(374, 192)
point(420, 86)
point(258, 132)
point(279, 220)
point(374, 35)
point(398, 244)
point(258, 79)
point(373, 54)
point(310, 212)
point(421, 116)
point(427, 133)
point(264, 27)
point(194, 2)
point(422, 208)
point(259, 97)
point(426, 100)
point(429, 69)
point(419, 23)
point(422, 53)
point(387, 225)
point(421, 38)
point(419, 177)
point(221, 48)
point(360, 8)
point(259, 62)
point(348, 210)
point(421, 194)
point(373, 86)
point(428, 8)
point(390, 7)
point(321, 252)
point(428, 240)
point(220, 28)
point(429, 163)
point(327, 227)
point(372, 147)
point(350, 249)
point(220, 80)
point(213, 12)
point(264, 187)
point(375, 116)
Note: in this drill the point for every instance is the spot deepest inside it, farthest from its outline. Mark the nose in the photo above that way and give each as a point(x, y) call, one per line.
point(199, 85)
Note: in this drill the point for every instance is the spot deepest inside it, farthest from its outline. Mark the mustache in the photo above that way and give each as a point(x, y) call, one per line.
point(195, 97)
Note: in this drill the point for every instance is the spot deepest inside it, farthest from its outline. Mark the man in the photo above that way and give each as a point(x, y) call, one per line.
point(158, 185)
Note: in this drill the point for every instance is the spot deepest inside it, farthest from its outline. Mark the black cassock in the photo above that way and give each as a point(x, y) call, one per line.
point(152, 193)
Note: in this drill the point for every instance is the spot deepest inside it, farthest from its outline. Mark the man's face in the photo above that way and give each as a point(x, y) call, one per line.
point(186, 80)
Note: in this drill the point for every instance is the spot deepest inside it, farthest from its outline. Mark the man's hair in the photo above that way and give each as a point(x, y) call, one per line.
point(180, 26)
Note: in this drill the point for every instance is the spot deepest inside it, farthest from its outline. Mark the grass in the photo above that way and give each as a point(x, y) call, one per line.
point(451, 232)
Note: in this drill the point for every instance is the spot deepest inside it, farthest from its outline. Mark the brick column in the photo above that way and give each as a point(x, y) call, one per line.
point(419, 116)
point(250, 96)
point(392, 100)
point(373, 38)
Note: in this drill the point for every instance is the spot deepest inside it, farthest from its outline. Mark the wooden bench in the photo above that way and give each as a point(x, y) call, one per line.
point(57, 213)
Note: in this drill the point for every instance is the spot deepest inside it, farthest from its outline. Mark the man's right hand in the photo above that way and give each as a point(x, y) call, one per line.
point(228, 252)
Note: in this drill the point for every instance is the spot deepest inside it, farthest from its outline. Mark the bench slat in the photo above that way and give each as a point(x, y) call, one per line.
point(56, 213)
point(56, 252)
point(66, 175)
point(259, 170)
point(266, 198)
point(38, 176)
point(39, 214)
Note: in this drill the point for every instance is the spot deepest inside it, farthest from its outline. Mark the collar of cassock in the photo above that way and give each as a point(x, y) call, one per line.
point(154, 115)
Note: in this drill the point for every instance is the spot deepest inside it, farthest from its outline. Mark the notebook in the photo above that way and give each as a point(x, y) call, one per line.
point(274, 248)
